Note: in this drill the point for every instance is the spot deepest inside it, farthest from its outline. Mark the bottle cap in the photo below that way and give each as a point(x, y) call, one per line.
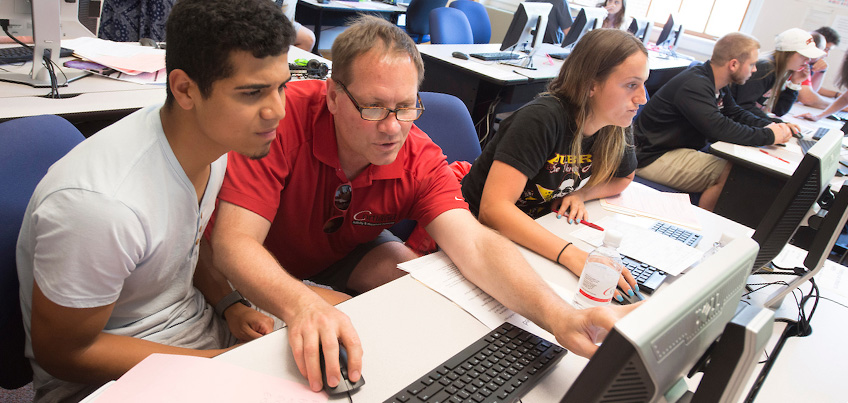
point(612, 238)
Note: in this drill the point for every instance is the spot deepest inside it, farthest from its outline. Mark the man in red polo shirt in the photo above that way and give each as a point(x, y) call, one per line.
point(347, 164)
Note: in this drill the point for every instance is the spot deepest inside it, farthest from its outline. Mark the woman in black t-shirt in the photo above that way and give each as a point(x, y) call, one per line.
point(564, 148)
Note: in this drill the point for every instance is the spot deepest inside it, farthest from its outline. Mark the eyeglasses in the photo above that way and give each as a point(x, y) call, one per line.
point(376, 113)
point(341, 201)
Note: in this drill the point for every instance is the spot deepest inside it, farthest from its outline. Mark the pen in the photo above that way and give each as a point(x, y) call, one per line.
point(590, 225)
point(767, 153)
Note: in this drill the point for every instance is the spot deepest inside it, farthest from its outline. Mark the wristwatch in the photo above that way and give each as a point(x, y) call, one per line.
point(792, 86)
point(228, 301)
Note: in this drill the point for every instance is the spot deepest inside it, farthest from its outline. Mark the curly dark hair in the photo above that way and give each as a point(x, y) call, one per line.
point(201, 34)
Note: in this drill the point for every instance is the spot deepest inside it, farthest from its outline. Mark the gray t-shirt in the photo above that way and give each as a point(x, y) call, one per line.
point(117, 220)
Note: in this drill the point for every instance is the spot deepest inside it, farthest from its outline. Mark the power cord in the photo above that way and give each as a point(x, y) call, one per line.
point(47, 61)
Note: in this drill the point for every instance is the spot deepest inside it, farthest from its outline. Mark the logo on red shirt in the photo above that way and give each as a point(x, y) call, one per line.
point(370, 219)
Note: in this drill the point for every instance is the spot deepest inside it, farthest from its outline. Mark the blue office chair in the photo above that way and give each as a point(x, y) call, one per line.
point(28, 146)
point(478, 18)
point(449, 25)
point(418, 18)
point(447, 121)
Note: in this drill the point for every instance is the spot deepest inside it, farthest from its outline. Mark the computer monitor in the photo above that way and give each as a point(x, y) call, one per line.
point(558, 20)
point(595, 16)
point(828, 231)
point(670, 34)
point(641, 29)
point(579, 28)
point(47, 22)
point(527, 29)
point(649, 352)
point(791, 205)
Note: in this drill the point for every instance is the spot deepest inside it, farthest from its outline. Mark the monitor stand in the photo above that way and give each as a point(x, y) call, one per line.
point(64, 75)
point(735, 355)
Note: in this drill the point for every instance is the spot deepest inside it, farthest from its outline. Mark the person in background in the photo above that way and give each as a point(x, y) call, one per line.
point(346, 165)
point(564, 148)
point(109, 242)
point(774, 86)
point(305, 37)
point(132, 20)
point(815, 70)
point(838, 104)
point(832, 39)
point(694, 108)
point(616, 11)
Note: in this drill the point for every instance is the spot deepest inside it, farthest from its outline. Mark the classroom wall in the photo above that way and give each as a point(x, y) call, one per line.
point(777, 16)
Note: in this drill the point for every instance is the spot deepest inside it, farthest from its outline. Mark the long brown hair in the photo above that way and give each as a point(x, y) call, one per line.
point(616, 19)
point(591, 62)
point(779, 60)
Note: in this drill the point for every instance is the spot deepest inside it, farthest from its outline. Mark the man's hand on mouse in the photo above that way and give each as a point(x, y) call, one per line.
point(316, 325)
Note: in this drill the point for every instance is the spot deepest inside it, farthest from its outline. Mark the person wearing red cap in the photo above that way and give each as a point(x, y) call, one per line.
point(774, 86)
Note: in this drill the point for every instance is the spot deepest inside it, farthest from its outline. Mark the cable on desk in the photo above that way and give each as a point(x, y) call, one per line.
point(834, 301)
point(47, 61)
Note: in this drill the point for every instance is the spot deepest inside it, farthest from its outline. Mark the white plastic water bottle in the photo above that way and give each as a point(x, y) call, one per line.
point(600, 273)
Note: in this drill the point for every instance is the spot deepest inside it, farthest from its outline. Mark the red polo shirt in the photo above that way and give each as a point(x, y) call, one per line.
point(293, 187)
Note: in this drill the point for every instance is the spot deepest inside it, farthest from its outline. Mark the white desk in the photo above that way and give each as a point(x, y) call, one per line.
point(420, 329)
point(99, 96)
point(757, 177)
point(480, 83)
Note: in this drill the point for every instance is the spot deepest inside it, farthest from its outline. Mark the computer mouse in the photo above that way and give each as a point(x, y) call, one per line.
point(627, 300)
point(797, 134)
point(460, 55)
point(344, 385)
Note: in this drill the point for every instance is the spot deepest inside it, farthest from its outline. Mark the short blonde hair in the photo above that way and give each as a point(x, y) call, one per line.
point(734, 45)
point(367, 33)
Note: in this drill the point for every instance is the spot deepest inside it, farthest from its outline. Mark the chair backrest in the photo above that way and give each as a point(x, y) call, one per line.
point(28, 146)
point(449, 25)
point(418, 17)
point(478, 18)
point(447, 121)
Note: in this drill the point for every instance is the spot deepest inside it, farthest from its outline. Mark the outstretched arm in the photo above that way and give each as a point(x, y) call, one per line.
point(497, 210)
point(494, 264)
point(237, 242)
point(70, 344)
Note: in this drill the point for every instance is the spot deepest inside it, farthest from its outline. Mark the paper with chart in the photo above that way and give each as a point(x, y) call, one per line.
point(644, 245)
point(439, 273)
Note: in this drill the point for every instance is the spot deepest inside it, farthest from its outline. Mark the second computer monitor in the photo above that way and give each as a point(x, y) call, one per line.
point(650, 351)
point(579, 28)
point(641, 29)
point(670, 34)
point(791, 205)
point(528, 26)
point(559, 20)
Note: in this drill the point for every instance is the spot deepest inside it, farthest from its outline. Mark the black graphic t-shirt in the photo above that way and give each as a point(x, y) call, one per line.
point(536, 140)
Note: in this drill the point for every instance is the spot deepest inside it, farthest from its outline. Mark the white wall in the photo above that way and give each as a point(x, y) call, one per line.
point(777, 16)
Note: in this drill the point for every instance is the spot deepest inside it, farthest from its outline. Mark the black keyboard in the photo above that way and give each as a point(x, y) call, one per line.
point(820, 132)
point(494, 56)
point(689, 238)
point(20, 54)
point(648, 277)
point(501, 366)
point(806, 144)
point(839, 115)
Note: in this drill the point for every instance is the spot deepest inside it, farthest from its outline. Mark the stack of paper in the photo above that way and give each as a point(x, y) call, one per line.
point(119, 60)
point(638, 199)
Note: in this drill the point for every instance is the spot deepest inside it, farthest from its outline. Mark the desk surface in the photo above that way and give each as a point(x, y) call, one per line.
point(546, 68)
point(420, 328)
point(791, 152)
point(97, 94)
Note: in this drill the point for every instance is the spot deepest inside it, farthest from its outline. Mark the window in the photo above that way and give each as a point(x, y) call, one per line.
point(705, 17)
point(710, 18)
